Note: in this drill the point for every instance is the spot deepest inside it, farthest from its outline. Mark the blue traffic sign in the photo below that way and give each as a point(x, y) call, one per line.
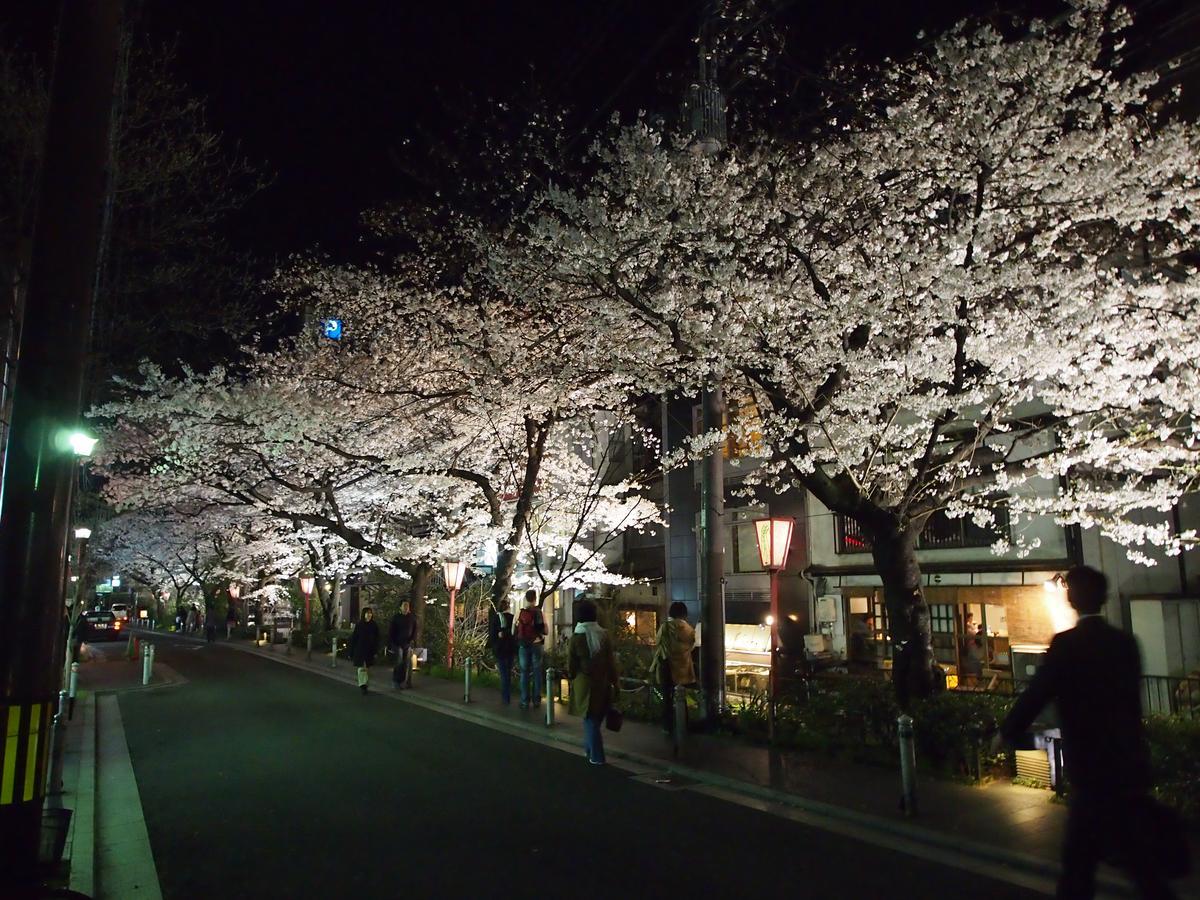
point(332, 329)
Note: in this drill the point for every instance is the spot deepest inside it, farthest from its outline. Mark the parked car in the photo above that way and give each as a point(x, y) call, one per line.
point(102, 625)
point(121, 611)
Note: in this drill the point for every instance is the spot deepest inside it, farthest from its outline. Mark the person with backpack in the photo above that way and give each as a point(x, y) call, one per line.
point(503, 645)
point(402, 632)
point(364, 644)
point(531, 635)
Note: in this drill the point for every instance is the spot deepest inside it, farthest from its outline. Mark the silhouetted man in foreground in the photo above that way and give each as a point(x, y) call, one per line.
point(1093, 673)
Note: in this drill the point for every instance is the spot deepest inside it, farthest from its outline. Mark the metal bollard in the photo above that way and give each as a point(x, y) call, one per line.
point(333, 656)
point(679, 732)
point(54, 781)
point(549, 696)
point(908, 765)
point(467, 682)
point(287, 645)
point(147, 664)
point(309, 655)
point(271, 645)
point(71, 690)
point(771, 708)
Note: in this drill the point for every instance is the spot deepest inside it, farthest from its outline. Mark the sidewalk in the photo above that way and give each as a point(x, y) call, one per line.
point(998, 825)
point(85, 742)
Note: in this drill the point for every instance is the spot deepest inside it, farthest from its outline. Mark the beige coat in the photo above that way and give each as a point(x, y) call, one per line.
point(674, 643)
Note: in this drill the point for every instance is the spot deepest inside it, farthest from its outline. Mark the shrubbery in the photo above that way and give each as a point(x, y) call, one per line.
point(1175, 762)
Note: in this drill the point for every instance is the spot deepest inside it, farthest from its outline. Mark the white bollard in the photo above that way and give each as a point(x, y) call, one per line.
point(467, 682)
point(147, 663)
point(549, 696)
point(309, 655)
point(908, 765)
point(333, 657)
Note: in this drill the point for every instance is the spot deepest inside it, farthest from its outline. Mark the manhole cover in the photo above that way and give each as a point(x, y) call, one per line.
point(665, 781)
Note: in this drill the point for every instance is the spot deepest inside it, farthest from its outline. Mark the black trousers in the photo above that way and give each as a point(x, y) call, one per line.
point(1104, 827)
point(668, 694)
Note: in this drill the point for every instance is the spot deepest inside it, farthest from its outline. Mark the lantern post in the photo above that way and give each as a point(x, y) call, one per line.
point(453, 571)
point(307, 583)
point(774, 536)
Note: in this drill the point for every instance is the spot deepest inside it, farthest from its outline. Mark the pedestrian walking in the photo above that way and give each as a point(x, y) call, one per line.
point(531, 635)
point(231, 619)
point(402, 633)
point(592, 668)
point(364, 644)
point(672, 665)
point(189, 625)
point(1092, 673)
point(210, 624)
point(503, 645)
point(181, 619)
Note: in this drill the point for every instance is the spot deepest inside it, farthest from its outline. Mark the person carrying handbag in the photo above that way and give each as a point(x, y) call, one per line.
point(595, 680)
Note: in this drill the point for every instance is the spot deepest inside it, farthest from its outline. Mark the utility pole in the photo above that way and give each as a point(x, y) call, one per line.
point(40, 466)
point(704, 115)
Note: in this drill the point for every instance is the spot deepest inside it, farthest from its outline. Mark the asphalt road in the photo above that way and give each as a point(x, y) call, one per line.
point(260, 780)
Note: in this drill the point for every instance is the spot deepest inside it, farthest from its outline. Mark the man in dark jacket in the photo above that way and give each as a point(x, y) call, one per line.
point(504, 646)
point(364, 644)
point(402, 632)
point(1092, 673)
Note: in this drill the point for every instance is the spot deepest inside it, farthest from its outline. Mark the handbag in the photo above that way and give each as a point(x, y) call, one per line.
point(614, 719)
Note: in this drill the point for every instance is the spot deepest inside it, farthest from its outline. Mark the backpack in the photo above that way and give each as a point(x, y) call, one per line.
point(530, 626)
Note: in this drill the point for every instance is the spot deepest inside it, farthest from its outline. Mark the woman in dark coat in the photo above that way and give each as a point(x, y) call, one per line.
point(364, 644)
point(592, 668)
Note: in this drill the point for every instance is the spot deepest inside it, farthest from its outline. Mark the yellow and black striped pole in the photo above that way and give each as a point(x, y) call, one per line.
point(23, 753)
point(39, 465)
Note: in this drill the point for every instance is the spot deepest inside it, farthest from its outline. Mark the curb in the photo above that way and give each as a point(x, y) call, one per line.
point(83, 819)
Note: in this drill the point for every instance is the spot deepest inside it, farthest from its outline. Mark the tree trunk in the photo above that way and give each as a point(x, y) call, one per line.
point(895, 553)
point(506, 565)
point(416, 598)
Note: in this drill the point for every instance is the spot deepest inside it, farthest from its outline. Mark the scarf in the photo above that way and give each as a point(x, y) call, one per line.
point(594, 634)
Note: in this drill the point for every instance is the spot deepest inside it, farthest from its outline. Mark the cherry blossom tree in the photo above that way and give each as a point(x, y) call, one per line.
point(976, 287)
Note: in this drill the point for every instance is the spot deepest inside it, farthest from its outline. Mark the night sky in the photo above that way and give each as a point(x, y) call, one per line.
point(321, 94)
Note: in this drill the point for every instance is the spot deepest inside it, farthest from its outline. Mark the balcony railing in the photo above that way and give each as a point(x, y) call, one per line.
point(1164, 695)
point(940, 533)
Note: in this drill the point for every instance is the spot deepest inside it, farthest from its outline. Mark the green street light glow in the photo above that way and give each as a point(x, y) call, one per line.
point(81, 443)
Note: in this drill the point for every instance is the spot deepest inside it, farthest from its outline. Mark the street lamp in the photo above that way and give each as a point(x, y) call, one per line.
point(453, 572)
point(307, 583)
point(774, 537)
point(83, 533)
point(81, 443)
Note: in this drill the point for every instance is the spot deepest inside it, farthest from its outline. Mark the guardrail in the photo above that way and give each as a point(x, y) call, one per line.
point(1167, 695)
